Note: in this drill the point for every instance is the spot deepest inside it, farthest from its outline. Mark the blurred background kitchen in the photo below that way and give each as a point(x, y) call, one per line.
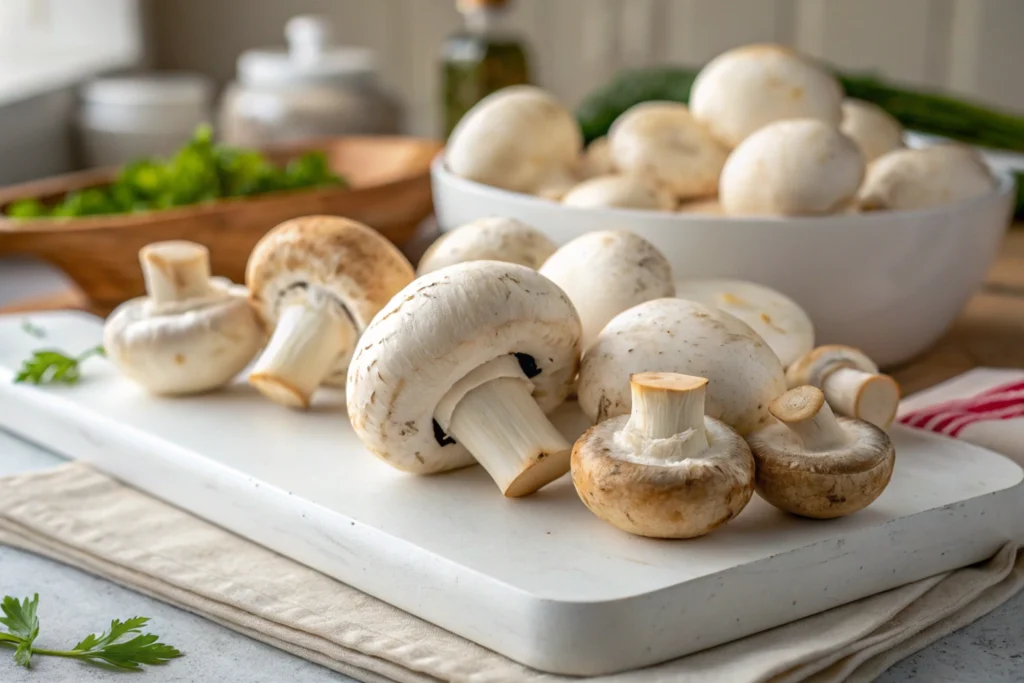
point(264, 71)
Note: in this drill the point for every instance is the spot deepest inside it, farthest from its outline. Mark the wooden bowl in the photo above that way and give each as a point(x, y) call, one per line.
point(389, 190)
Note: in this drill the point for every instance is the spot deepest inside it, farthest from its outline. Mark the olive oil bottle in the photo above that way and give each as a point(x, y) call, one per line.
point(484, 56)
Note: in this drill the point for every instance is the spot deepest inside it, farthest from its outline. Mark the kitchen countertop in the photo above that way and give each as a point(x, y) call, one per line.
point(72, 603)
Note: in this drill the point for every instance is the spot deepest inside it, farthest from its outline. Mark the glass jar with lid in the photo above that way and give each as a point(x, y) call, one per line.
point(312, 89)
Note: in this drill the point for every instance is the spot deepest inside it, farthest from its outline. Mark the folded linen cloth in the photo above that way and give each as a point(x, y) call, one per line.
point(82, 517)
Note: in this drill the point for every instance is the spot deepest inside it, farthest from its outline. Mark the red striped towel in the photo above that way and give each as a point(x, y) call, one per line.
point(984, 406)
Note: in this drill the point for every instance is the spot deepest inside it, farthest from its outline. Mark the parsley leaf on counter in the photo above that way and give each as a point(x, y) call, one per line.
point(52, 367)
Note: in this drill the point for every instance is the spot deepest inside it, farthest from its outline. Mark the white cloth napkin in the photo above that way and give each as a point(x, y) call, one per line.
point(86, 519)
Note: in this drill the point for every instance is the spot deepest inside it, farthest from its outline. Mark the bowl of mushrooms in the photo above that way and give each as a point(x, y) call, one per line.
point(770, 175)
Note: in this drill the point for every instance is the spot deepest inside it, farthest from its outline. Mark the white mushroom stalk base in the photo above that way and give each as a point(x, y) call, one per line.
point(666, 422)
point(176, 272)
point(492, 413)
point(807, 414)
point(304, 348)
point(867, 396)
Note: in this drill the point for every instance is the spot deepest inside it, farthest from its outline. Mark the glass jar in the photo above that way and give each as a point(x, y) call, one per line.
point(312, 89)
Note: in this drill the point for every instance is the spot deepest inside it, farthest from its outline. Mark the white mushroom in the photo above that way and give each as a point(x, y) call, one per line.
point(708, 207)
point(873, 129)
point(557, 183)
point(514, 139)
point(791, 168)
point(464, 363)
point(597, 159)
point(665, 470)
point(190, 333)
point(676, 335)
point(741, 90)
point(488, 239)
point(607, 271)
point(663, 141)
point(851, 383)
point(931, 176)
point(620, 191)
point(317, 281)
point(785, 326)
point(816, 465)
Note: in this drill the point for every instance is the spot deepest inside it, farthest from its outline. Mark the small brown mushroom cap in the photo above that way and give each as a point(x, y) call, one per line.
point(835, 468)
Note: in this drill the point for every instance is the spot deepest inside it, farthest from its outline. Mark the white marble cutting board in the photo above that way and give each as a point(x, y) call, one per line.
point(538, 579)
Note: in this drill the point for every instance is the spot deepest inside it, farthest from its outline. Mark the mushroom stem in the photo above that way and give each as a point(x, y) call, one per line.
point(306, 344)
point(501, 425)
point(175, 271)
point(666, 422)
point(807, 414)
point(868, 396)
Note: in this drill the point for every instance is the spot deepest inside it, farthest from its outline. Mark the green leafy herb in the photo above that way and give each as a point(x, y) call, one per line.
point(122, 646)
point(201, 171)
point(51, 367)
point(31, 329)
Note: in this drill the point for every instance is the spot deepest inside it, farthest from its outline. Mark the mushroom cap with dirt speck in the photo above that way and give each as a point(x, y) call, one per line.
point(488, 239)
point(620, 477)
point(439, 329)
point(513, 139)
point(747, 88)
point(845, 473)
point(785, 326)
point(937, 175)
point(791, 168)
point(326, 256)
point(607, 271)
point(676, 335)
point(662, 141)
point(620, 191)
point(873, 129)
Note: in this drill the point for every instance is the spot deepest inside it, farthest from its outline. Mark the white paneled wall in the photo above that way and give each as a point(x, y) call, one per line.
point(974, 47)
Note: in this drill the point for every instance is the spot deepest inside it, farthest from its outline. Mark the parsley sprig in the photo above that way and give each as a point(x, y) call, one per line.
point(122, 646)
point(49, 366)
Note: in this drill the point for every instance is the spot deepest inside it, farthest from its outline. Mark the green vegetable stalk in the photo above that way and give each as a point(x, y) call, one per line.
point(919, 110)
point(201, 171)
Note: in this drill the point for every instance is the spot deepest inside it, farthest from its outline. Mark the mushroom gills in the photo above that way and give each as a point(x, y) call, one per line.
point(492, 413)
point(666, 423)
point(308, 342)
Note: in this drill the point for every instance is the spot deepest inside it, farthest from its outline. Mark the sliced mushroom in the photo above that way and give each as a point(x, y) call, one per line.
point(607, 271)
point(665, 470)
point(742, 90)
point(791, 168)
point(676, 335)
point(664, 142)
point(785, 326)
point(514, 139)
point(317, 281)
point(873, 129)
point(488, 239)
point(851, 383)
point(620, 191)
point(816, 465)
point(464, 363)
point(937, 175)
point(597, 159)
point(190, 333)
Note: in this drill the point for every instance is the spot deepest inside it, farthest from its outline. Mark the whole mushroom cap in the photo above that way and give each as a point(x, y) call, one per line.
point(488, 239)
point(335, 260)
point(663, 141)
point(513, 139)
point(873, 129)
point(437, 331)
point(676, 335)
point(653, 481)
point(816, 465)
point(607, 271)
point(907, 179)
point(620, 191)
point(744, 89)
point(791, 168)
point(785, 326)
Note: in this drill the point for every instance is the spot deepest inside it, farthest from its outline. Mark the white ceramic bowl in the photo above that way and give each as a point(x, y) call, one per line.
point(889, 283)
